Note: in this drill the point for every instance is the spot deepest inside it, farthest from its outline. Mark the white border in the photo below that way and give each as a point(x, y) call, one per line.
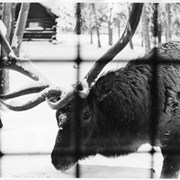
point(96, 1)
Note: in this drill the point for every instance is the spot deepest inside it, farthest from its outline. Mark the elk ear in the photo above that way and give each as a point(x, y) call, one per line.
point(104, 85)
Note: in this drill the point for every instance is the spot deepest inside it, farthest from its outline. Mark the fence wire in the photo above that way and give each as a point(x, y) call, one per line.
point(77, 123)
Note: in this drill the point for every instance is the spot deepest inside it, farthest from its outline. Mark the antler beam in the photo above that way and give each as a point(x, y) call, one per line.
point(43, 86)
point(105, 59)
point(45, 89)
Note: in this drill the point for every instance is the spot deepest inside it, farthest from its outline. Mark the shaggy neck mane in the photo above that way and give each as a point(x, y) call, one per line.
point(124, 114)
point(131, 94)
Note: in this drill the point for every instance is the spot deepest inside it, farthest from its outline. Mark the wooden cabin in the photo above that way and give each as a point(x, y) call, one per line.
point(41, 22)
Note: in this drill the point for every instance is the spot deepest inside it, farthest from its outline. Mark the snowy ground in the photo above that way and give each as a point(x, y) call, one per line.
point(34, 131)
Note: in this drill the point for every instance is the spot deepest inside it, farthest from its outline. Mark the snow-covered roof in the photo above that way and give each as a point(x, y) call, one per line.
point(49, 8)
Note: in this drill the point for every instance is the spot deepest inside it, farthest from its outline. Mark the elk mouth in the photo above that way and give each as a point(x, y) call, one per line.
point(63, 163)
point(63, 167)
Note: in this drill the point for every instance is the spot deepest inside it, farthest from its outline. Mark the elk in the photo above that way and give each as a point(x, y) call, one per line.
point(111, 115)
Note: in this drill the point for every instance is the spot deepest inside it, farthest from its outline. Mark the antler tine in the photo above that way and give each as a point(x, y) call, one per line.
point(37, 99)
point(23, 91)
point(105, 59)
point(44, 87)
point(22, 107)
point(81, 88)
point(23, 66)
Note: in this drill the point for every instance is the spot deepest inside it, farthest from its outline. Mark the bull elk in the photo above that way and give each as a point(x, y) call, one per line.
point(114, 113)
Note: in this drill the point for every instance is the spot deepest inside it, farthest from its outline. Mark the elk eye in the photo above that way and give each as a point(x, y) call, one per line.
point(86, 115)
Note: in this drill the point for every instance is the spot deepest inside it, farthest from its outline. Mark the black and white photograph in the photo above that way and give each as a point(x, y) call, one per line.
point(89, 89)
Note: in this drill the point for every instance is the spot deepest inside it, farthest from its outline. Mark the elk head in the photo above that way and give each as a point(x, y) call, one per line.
point(77, 102)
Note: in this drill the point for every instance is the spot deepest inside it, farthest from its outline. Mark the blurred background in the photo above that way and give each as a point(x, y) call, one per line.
point(46, 34)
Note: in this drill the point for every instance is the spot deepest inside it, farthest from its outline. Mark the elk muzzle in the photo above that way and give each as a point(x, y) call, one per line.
point(62, 161)
point(63, 155)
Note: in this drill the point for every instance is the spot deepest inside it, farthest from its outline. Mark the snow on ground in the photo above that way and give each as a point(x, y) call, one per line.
point(34, 131)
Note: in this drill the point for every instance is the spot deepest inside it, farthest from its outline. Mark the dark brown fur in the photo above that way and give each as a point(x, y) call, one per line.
point(116, 116)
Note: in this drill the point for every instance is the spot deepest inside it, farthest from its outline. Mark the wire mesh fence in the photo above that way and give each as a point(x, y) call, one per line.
point(75, 149)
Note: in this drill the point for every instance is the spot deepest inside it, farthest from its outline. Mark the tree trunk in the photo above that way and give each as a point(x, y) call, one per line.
point(91, 34)
point(97, 25)
point(13, 9)
point(20, 27)
point(159, 34)
point(119, 28)
point(142, 42)
point(110, 33)
point(145, 29)
point(130, 42)
point(7, 20)
point(110, 26)
point(168, 22)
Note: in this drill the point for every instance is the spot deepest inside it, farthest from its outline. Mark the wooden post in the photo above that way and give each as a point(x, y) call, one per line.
point(5, 28)
point(20, 27)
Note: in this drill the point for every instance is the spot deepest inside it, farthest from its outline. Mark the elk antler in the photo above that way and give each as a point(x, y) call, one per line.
point(43, 86)
point(105, 59)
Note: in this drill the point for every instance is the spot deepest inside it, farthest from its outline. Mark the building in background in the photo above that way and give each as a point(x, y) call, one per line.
point(41, 22)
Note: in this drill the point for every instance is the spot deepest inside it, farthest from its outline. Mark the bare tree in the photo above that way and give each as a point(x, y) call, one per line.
point(110, 24)
point(168, 22)
point(7, 18)
point(118, 26)
point(130, 42)
point(6, 25)
point(97, 24)
point(91, 33)
point(20, 27)
point(91, 22)
point(145, 29)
